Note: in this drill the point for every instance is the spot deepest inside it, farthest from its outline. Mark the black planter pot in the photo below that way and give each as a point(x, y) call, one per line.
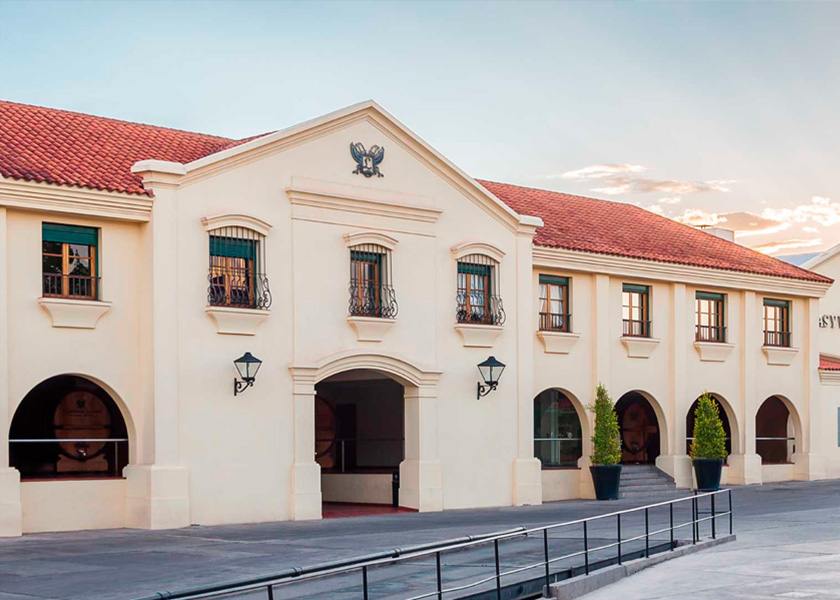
point(606, 479)
point(707, 471)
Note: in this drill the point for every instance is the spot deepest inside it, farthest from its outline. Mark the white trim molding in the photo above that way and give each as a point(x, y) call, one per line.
point(76, 201)
point(778, 355)
point(370, 329)
point(359, 238)
point(478, 336)
point(73, 313)
point(466, 248)
point(713, 351)
point(236, 220)
point(236, 321)
point(305, 376)
point(639, 347)
point(557, 342)
point(829, 377)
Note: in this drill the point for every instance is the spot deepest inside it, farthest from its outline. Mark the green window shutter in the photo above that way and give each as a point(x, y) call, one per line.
point(552, 280)
point(69, 234)
point(709, 296)
point(632, 287)
point(374, 257)
point(779, 303)
point(474, 269)
point(233, 247)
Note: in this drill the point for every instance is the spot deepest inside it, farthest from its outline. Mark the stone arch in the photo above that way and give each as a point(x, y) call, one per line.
point(794, 419)
point(583, 417)
point(662, 422)
point(731, 417)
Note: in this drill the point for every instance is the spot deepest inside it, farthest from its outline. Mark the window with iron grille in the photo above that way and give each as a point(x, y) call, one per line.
point(237, 269)
point(635, 310)
point(554, 304)
point(371, 288)
point(709, 325)
point(69, 261)
point(776, 322)
point(478, 299)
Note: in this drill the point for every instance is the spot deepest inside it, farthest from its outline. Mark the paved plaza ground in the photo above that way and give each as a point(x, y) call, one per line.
point(787, 533)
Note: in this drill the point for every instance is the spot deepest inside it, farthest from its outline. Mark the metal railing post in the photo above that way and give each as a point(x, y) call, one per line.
point(342, 456)
point(730, 511)
point(714, 530)
point(585, 548)
point(694, 519)
point(498, 571)
point(647, 534)
point(671, 511)
point(618, 527)
point(439, 577)
point(270, 590)
point(545, 549)
point(365, 583)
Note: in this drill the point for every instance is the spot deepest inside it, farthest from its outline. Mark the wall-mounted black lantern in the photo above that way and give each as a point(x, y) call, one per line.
point(247, 365)
point(491, 370)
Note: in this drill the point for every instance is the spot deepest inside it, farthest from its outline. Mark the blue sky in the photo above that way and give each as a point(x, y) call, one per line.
point(714, 112)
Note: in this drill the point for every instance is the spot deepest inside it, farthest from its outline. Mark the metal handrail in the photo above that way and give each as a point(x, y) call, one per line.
point(397, 555)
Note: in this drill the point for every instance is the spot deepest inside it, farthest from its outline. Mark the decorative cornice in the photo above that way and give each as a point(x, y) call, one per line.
point(466, 248)
point(307, 375)
point(590, 262)
point(236, 220)
point(359, 238)
point(829, 377)
point(78, 201)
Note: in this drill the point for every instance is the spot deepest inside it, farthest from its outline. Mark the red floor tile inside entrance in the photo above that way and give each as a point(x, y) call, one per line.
point(337, 510)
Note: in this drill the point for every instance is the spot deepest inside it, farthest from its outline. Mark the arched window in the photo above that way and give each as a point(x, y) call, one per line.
point(66, 428)
point(237, 268)
point(478, 291)
point(557, 433)
point(775, 435)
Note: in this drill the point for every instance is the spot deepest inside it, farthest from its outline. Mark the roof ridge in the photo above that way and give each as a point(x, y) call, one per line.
point(123, 121)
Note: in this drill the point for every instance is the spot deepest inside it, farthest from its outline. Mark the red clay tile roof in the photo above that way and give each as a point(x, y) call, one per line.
point(603, 227)
point(829, 364)
point(67, 148)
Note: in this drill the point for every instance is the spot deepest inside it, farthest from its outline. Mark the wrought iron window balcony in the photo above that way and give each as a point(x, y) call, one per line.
point(555, 322)
point(780, 339)
point(472, 309)
point(633, 328)
point(710, 333)
point(373, 301)
point(83, 287)
point(238, 288)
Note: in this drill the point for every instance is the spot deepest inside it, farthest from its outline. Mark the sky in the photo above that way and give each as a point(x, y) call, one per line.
point(718, 113)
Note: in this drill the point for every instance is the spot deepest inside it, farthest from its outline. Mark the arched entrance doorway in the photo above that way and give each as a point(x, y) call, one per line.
point(724, 418)
point(68, 427)
point(775, 432)
point(359, 438)
point(639, 426)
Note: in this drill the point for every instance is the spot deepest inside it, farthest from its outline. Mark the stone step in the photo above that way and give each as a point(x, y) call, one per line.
point(654, 494)
point(646, 481)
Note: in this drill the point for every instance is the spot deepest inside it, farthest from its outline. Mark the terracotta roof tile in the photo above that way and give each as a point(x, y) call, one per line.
point(829, 364)
point(603, 227)
point(68, 148)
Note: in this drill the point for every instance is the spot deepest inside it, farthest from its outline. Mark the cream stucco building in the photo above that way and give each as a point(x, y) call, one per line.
point(371, 276)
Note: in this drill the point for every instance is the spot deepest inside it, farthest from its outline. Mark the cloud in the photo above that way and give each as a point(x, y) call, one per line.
point(820, 211)
point(639, 185)
point(670, 200)
point(773, 247)
point(599, 171)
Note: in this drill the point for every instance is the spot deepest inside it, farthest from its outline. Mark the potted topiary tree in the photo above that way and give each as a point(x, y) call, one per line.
point(708, 448)
point(606, 447)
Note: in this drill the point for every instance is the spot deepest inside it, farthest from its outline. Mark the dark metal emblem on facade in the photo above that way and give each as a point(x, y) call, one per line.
point(367, 162)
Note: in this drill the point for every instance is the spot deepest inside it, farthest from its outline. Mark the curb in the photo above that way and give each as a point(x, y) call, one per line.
point(579, 586)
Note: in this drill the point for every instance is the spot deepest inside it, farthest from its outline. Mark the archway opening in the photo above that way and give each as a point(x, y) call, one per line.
point(640, 437)
point(775, 432)
point(359, 441)
point(558, 437)
point(68, 427)
point(724, 418)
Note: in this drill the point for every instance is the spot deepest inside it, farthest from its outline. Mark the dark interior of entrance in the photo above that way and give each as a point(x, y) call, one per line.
point(689, 422)
point(774, 433)
point(639, 429)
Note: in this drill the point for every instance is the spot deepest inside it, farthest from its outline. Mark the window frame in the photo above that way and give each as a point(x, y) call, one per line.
point(360, 282)
point(235, 276)
point(778, 313)
point(629, 291)
point(69, 236)
point(547, 320)
point(715, 329)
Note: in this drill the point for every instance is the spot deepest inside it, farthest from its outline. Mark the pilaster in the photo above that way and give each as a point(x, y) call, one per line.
point(10, 508)
point(527, 469)
point(808, 461)
point(745, 468)
point(421, 477)
point(306, 473)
